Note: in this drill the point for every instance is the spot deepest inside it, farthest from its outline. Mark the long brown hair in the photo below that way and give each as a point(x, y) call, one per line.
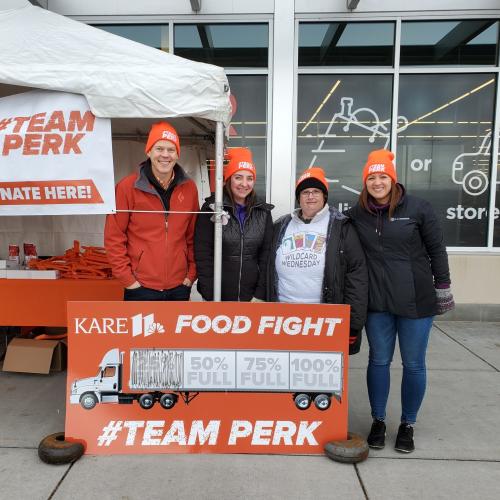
point(365, 198)
point(249, 200)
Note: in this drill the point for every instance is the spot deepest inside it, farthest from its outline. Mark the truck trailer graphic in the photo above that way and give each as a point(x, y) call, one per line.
point(164, 375)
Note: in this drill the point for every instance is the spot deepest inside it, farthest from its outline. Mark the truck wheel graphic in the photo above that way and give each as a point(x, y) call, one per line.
point(475, 182)
point(55, 450)
point(322, 402)
point(146, 401)
point(350, 451)
point(302, 401)
point(88, 400)
point(168, 401)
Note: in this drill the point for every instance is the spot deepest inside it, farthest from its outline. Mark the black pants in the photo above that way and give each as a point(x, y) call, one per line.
point(181, 292)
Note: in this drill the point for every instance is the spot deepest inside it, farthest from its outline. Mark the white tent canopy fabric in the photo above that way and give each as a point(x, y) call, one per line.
point(120, 78)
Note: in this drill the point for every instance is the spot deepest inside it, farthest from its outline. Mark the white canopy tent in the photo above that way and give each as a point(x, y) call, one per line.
point(125, 81)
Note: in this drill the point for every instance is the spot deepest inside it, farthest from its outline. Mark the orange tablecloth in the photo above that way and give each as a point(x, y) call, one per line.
point(43, 302)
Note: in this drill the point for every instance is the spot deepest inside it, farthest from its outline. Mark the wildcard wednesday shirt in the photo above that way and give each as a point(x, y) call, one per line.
point(300, 260)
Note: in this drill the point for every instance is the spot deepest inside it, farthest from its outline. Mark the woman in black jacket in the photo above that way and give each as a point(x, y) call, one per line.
point(316, 256)
point(409, 282)
point(246, 235)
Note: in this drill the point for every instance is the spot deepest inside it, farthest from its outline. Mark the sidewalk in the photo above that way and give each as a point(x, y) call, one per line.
point(457, 439)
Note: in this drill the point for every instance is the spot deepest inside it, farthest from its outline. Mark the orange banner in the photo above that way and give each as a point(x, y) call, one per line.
point(49, 192)
point(204, 377)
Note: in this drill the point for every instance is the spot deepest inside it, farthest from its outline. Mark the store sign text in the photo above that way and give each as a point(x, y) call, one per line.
point(470, 213)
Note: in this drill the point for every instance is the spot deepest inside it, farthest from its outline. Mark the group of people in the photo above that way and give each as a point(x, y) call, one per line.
point(385, 257)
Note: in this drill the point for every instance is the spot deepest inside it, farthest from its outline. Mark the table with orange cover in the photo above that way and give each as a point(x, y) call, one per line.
point(43, 302)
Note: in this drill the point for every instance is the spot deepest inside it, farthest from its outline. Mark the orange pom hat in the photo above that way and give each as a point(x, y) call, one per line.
point(239, 159)
point(380, 161)
point(313, 177)
point(163, 131)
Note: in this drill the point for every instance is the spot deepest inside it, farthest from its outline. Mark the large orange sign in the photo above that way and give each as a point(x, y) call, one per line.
point(204, 377)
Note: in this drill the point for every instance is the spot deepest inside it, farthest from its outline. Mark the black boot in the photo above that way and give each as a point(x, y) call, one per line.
point(376, 438)
point(404, 440)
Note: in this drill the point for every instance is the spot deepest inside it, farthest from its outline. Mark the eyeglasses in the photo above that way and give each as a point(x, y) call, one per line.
point(315, 193)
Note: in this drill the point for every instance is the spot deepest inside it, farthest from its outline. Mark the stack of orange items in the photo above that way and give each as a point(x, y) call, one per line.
point(92, 263)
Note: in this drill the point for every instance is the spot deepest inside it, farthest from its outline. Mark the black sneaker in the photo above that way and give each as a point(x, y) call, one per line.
point(404, 439)
point(376, 438)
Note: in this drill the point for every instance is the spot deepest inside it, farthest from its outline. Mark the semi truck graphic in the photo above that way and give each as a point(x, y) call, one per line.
point(165, 375)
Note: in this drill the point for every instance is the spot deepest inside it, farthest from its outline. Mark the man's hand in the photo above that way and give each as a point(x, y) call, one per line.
point(187, 282)
point(134, 285)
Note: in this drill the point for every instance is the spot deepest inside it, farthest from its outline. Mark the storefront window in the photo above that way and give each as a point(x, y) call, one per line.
point(473, 42)
point(153, 35)
point(496, 215)
point(340, 119)
point(444, 149)
point(227, 45)
point(346, 44)
point(249, 122)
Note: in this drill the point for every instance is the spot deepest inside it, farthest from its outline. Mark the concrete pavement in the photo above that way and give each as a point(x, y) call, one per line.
point(457, 440)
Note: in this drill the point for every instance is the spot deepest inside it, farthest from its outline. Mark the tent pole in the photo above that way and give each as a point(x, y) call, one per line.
point(219, 156)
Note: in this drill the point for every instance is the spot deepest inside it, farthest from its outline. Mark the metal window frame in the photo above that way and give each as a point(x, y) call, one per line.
point(171, 21)
point(234, 70)
point(398, 70)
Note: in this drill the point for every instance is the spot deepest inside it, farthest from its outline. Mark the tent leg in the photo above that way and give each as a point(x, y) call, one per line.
point(219, 156)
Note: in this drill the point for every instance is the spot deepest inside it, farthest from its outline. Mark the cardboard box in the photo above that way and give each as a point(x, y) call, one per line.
point(35, 356)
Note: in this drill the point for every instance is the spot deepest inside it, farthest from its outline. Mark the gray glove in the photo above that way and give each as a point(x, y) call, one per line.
point(444, 300)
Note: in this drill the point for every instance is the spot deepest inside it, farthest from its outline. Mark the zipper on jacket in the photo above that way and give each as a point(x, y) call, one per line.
point(166, 246)
point(327, 292)
point(380, 243)
point(341, 273)
point(241, 265)
point(166, 229)
point(242, 243)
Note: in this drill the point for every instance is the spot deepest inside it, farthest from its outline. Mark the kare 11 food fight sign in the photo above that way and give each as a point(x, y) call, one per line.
point(206, 377)
point(55, 156)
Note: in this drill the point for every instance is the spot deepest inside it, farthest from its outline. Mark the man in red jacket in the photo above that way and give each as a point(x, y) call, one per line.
point(148, 242)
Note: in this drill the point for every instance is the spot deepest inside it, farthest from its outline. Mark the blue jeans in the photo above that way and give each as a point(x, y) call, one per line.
point(413, 334)
point(181, 292)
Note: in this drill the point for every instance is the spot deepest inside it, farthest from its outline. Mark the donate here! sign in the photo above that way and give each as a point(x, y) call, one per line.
point(55, 156)
point(206, 377)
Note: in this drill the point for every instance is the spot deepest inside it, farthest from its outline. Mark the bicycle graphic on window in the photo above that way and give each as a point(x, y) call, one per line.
point(474, 181)
point(364, 118)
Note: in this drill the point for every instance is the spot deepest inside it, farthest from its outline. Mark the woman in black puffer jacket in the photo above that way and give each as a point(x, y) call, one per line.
point(409, 282)
point(246, 235)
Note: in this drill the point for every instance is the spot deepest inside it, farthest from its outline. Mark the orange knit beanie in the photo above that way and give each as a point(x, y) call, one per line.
point(313, 177)
point(163, 131)
point(239, 159)
point(380, 162)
